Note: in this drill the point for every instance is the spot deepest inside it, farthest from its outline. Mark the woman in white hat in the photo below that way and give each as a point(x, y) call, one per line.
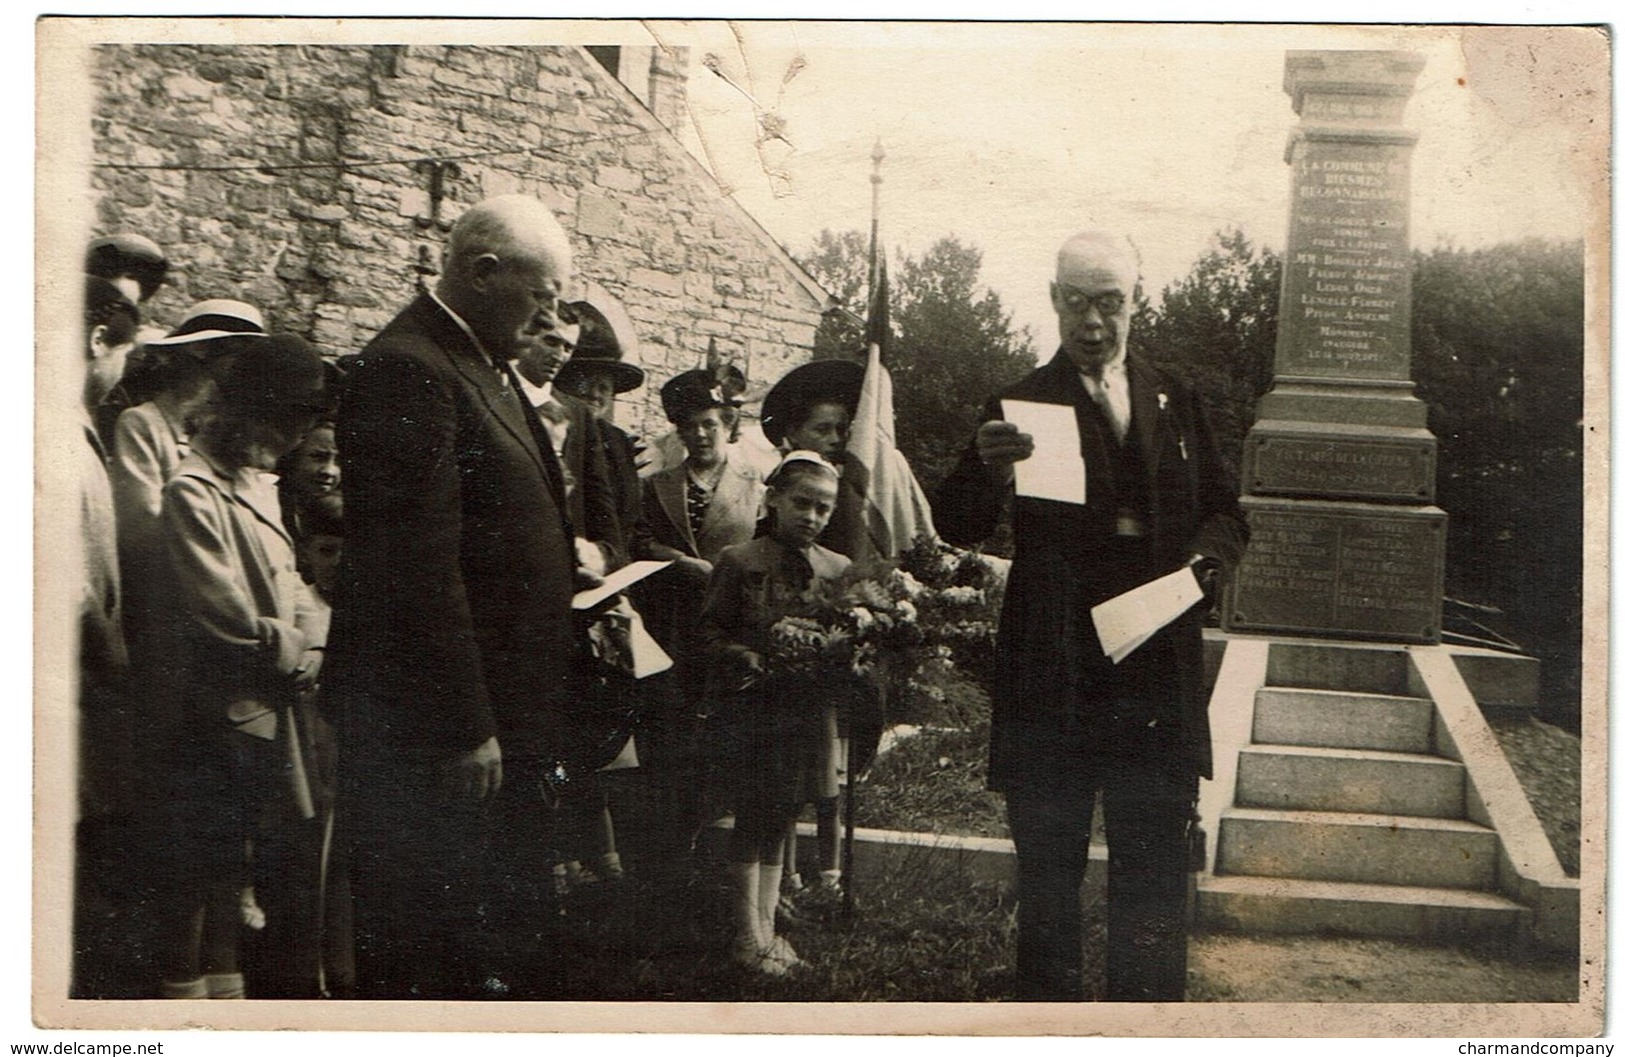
point(149, 443)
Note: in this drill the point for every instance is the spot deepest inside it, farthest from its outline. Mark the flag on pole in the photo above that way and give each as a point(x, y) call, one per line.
point(896, 510)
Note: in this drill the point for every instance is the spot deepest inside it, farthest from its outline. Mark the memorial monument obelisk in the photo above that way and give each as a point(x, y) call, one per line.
point(1338, 471)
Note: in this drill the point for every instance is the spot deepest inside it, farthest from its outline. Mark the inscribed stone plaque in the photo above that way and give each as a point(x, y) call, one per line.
point(1340, 466)
point(1346, 286)
point(1341, 569)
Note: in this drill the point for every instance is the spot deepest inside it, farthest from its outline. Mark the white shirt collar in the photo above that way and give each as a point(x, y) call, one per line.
point(536, 394)
point(1114, 372)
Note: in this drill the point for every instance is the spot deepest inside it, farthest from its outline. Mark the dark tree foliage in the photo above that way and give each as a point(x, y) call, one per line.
point(1215, 329)
point(1498, 353)
point(841, 263)
point(952, 345)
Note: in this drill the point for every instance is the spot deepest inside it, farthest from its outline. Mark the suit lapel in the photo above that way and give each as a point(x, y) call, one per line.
point(497, 391)
point(670, 486)
point(1146, 398)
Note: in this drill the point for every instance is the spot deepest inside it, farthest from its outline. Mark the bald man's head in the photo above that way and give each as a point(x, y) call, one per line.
point(1096, 274)
point(508, 262)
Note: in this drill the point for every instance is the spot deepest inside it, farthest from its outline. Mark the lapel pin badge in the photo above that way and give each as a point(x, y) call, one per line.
point(1162, 401)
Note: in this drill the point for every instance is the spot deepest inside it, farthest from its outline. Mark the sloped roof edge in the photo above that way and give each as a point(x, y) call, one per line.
point(813, 287)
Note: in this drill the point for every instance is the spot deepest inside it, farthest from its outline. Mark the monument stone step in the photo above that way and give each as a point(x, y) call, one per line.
point(1275, 904)
point(1339, 719)
point(1309, 778)
point(1365, 848)
point(1356, 668)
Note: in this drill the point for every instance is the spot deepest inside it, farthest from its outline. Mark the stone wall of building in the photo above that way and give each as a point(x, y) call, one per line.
point(300, 178)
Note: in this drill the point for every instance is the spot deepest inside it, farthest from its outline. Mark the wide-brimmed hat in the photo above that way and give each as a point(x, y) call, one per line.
point(597, 348)
point(212, 321)
point(282, 371)
point(128, 254)
point(833, 381)
point(692, 391)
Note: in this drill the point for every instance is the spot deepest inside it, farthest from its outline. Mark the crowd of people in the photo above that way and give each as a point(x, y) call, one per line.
point(334, 692)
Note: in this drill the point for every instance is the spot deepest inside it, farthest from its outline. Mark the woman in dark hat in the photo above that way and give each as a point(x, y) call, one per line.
point(597, 371)
point(247, 638)
point(811, 409)
point(594, 375)
point(590, 380)
point(704, 503)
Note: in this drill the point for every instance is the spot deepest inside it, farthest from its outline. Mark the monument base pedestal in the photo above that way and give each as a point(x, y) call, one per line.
point(1319, 567)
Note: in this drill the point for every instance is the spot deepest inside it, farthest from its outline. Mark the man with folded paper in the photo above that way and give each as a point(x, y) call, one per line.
point(1123, 520)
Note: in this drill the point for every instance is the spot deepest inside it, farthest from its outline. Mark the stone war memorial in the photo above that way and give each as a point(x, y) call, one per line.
point(1359, 789)
point(1339, 469)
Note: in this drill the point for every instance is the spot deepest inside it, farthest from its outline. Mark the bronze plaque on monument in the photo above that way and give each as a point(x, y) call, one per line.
point(1341, 464)
point(1352, 569)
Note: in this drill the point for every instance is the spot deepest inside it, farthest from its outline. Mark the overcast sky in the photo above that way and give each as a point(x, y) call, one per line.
point(1012, 137)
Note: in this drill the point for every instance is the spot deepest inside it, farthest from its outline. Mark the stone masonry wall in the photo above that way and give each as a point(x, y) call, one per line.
point(292, 176)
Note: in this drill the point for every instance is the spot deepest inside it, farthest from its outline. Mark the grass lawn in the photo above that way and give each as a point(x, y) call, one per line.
point(925, 931)
point(935, 781)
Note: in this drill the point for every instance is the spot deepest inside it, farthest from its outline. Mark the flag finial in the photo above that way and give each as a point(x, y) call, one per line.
point(877, 156)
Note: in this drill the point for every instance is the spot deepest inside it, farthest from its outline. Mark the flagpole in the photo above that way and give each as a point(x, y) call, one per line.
point(877, 156)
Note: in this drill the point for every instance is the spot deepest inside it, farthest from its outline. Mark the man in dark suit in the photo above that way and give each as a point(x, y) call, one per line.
point(1067, 722)
point(592, 493)
point(452, 636)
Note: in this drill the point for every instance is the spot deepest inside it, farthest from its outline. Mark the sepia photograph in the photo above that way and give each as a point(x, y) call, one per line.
point(820, 527)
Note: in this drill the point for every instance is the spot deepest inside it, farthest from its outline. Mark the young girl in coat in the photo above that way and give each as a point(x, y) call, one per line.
point(246, 638)
point(774, 728)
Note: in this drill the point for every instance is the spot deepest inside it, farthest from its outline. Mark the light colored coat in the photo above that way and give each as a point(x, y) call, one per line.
point(148, 447)
point(729, 519)
point(245, 615)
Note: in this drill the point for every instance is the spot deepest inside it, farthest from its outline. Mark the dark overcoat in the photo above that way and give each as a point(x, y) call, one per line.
point(1055, 576)
point(597, 505)
point(453, 619)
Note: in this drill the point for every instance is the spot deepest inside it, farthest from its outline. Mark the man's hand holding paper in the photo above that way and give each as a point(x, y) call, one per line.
point(1055, 469)
point(1126, 622)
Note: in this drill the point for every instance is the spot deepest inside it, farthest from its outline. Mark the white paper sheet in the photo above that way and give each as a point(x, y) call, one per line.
point(1125, 623)
point(1055, 470)
point(617, 581)
point(647, 656)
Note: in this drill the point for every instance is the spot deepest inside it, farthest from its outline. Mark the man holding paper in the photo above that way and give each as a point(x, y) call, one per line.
point(1130, 491)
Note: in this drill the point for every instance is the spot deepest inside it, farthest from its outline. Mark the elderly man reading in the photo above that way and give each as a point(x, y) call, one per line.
point(1068, 723)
